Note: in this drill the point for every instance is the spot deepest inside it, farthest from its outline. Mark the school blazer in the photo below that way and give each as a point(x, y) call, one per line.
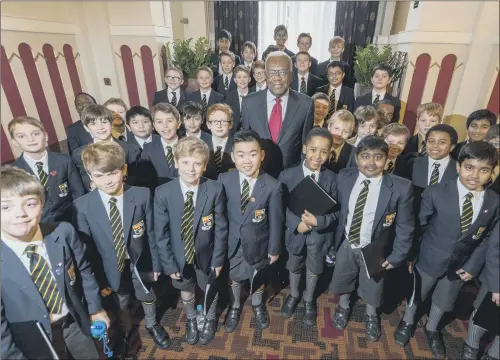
point(153, 165)
point(260, 228)
point(132, 154)
point(162, 97)
point(420, 173)
point(94, 228)
point(367, 100)
point(491, 272)
point(210, 227)
point(214, 98)
point(312, 84)
point(314, 64)
point(412, 146)
point(443, 248)
point(21, 300)
point(343, 159)
point(218, 85)
point(77, 136)
point(322, 72)
point(227, 161)
point(345, 100)
point(323, 233)
point(65, 185)
point(232, 99)
point(393, 216)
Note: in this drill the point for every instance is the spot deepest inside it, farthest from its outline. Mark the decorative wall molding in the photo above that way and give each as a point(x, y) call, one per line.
point(40, 55)
point(10, 23)
point(436, 64)
point(140, 30)
point(426, 37)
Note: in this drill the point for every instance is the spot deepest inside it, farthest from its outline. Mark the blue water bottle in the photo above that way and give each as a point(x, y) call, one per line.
point(98, 330)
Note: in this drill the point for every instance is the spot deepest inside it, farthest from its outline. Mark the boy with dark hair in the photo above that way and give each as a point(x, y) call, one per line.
point(336, 47)
point(304, 81)
point(456, 217)
point(381, 77)
point(256, 219)
point(46, 276)
point(281, 36)
point(205, 96)
point(259, 74)
point(174, 93)
point(192, 120)
point(304, 43)
point(56, 172)
point(386, 107)
point(478, 123)
point(77, 135)
point(366, 123)
point(223, 43)
point(248, 53)
point(116, 223)
point(224, 82)
point(428, 115)
point(140, 125)
point(376, 206)
point(191, 232)
point(341, 97)
point(308, 237)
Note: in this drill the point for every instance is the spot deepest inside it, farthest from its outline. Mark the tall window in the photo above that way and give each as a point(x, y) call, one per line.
point(314, 17)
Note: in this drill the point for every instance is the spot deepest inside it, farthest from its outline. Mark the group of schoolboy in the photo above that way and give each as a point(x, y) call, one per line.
point(162, 196)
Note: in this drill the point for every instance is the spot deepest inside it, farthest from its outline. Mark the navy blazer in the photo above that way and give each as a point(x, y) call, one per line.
point(313, 83)
point(412, 145)
point(443, 247)
point(260, 228)
point(218, 85)
point(65, 185)
point(367, 100)
point(153, 165)
point(77, 136)
point(21, 300)
point(214, 98)
point(162, 97)
point(420, 172)
point(395, 200)
point(323, 233)
point(322, 72)
point(491, 272)
point(210, 226)
point(227, 161)
point(232, 99)
point(344, 159)
point(345, 100)
point(94, 227)
point(314, 64)
point(299, 118)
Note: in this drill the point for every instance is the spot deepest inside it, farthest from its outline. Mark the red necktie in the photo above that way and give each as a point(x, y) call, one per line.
point(276, 120)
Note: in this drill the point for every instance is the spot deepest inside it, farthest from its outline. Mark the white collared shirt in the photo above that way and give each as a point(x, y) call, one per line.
point(271, 102)
point(308, 172)
point(358, 139)
point(165, 145)
point(251, 182)
point(207, 93)
point(229, 77)
point(443, 164)
point(185, 188)
point(248, 65)
point(241, 96)
point(177, 94)
point(32, 163)
point(477, 200)
point(365, 234)
point(19, 247)
point(337, 92)
point(258, 88)
point(217, 141)
point(381, 95)
point(305, 76)
point(142, 142)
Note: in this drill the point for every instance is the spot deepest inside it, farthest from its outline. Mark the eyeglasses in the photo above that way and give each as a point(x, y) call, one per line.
point(274, 73)
point(170, 78)
point(259, 73)
point(219, 122)
point(335, 74)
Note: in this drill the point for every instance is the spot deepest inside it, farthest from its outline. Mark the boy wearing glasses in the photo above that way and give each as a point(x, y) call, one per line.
point(259, 74)
point(341, 97)
point(173, 94)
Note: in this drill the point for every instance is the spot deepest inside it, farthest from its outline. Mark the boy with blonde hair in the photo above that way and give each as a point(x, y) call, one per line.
point(396, 136)
point(367, 120)
point(428, 115)
point(341, 125)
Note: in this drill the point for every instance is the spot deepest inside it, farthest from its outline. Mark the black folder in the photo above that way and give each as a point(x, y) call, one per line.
point(309, 195)
point(374, 255)
point(211, 290)
point(31, 339)
point(259, 277)
point(488, 315)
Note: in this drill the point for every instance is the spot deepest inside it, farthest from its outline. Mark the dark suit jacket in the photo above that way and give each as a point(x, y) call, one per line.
point(218, 85)
point(456, 150)
point(65, 185)
point(162, 96)
point(491, 272)
point(227, 163)
point(313, 82)
point(210, 226)
point(132, 140)
point(214, 58)
point(412, 145)
point(132, 154)
point(323, 233)
point(258, 235)
point(94, 227)
point(443, 248)
point(153, 165)
point(322, 72)
point(346, 156)
point(396, 198)
point(298, 121)
point(314, 64)
point(346, 98)
point(21, 300)
point(232, 99)
point(77, 136)
point(367, 100)
point(214, 98)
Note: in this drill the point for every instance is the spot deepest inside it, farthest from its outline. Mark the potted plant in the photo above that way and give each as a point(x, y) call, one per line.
point(368, 57)
point(189, 57)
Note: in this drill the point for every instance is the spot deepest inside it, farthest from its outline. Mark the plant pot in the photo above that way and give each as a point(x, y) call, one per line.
point(360, 90)
point(192, 85)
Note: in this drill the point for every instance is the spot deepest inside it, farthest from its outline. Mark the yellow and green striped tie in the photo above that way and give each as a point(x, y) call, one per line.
point(357, 218)
point(467, 212)
point(170, 156)
point(245, 196)
point(44, 281)
point(187, 228)
point(117, 230)
point(42, 175)
point(435, 174)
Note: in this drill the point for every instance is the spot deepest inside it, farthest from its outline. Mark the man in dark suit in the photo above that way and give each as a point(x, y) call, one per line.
point(206, 96)
point(77, 135)
point(452, 254)
point(341, 97)
point(280, 116)
point(381, 76)
point(67, 301)
point(224, 82)
point(304, 43)
point(336, 48)
point(304, 81)
point(223, 43)
point(173, 94)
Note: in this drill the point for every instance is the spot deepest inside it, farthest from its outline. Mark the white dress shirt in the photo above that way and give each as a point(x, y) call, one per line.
point(308, 172)
point(209, 91)
point(229, 77)
point(142, 142)
point(251, 183)
point(443, 164)
point(270, 103)
point(248, 65)
point(32, 163)
point(172, 145)
point(185, 188)
point(337, 93)
point(217, 141)
point(170, 95)
point(18, 247)
point(241, 96)
point(365, 234)
point(380, 98)
point(477, 200)
point(258, 88)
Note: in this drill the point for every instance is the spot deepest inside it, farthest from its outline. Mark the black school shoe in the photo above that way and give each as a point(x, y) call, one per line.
point(160, 336)
point(403, 333)
point(192, 335)
point(232, 319)
point(436, 344)
point(310, 313)
point(340, 318)
point(261, 316)
point(373, 331)
point(208, 332)
point(289, 306)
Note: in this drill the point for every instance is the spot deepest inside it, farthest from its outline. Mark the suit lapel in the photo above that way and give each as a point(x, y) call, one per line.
point(323, 180)
point(261, 113)
point(341, 100)
point(450, 173)
point(128, 212)
point(383, 200)
point(347, 194)
point(21, 163)
point(421, 172)
point(56, 256)
point(291, 110)
point(101, 215)
point(201, 199)
point(344, 156)
point(53, 167)
point(260, 183)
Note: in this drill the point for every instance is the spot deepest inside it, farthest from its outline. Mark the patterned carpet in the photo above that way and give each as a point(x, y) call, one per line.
point(291, 339)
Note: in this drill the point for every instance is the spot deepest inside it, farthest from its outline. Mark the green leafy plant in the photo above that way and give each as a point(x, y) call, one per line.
point(369, 56)
point(189, 57)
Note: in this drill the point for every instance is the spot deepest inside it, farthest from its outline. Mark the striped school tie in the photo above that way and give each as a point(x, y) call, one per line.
point(333, 105)
point(357, 218)
point(435, 174)
point(390, 166)
point(376, 100)
point(187, 228)
point(174, 99)
point(226, 83)
point(43, 176)
point(218, 158)
point(467, 212)
point(44, 281)
point(303, 86)
point(117, 230)
point(245, 196)
point(204, 102)
point(170, 156)
point(333, 159)
point(423, 150)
